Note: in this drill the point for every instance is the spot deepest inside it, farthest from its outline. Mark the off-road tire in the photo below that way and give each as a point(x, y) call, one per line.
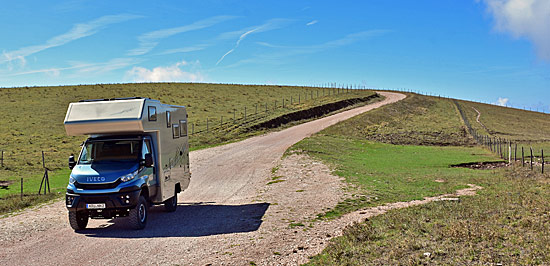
point(171, 204)
point(78, 221)
point(138, 215)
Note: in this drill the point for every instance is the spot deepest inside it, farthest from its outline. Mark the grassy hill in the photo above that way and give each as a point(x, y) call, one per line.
point(405, 151)
point(32, 118)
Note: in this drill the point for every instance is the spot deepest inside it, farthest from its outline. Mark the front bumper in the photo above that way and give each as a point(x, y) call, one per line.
point(116, 204)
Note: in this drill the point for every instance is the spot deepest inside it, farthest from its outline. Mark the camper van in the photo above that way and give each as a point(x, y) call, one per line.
point(136, 156)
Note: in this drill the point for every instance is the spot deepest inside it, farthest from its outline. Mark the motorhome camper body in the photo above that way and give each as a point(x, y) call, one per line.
point(137, 148)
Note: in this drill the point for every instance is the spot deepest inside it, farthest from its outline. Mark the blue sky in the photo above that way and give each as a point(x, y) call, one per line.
point(495, 51)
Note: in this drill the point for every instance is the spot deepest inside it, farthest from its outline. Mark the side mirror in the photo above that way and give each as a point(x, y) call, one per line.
point(72, 162)
point(148, 161)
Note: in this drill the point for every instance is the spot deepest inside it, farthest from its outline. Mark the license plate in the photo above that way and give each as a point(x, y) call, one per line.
point(95, 206)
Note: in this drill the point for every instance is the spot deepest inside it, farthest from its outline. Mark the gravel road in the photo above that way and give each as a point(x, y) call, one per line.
point(229, 215)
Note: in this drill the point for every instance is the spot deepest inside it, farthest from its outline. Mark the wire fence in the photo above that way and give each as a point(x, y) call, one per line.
point(44, 187)
point(506, 149)
point(252, 114)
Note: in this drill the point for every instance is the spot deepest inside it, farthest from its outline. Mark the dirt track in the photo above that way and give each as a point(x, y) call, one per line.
point(228, 215)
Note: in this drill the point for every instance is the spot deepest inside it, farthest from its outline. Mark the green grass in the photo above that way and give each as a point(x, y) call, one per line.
point(14, 203)
point(32, 119)
point(416, 120)
point(383, 173)
point(509, 123)
point(31, 184)
point(504, 223)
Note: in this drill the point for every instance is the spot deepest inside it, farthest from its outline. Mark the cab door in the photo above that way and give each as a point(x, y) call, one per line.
point(152, 181)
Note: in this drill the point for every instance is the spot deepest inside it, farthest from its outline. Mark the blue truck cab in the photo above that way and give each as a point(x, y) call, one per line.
point(136, 156)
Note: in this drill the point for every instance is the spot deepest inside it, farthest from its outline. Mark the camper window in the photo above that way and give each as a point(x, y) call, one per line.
point(176, 131)
point(168, 119)
point(183, 128)
point(152, 113)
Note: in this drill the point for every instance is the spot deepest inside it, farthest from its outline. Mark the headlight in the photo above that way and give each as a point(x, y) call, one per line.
point(71, 180)
point(128, 177)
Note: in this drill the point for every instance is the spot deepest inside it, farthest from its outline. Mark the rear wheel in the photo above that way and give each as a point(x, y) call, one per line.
point(171, 204)
point(78, 221)
point(138, 215)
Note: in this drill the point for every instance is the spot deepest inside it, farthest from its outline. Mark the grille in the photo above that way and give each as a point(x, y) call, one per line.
point(97, 186)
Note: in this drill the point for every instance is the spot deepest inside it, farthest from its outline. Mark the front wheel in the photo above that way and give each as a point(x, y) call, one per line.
point(138, 215)
point(78, 221)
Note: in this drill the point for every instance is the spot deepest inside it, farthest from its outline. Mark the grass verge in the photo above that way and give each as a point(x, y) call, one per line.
point(382, 173)
point(503, 224)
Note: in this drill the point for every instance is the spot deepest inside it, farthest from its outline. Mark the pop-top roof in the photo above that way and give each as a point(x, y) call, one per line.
point(105, 110)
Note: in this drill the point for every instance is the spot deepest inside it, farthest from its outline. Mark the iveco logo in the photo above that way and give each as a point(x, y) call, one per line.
point(95, 179)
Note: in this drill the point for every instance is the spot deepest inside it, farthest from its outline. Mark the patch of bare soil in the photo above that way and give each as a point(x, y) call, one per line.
point(482, 165)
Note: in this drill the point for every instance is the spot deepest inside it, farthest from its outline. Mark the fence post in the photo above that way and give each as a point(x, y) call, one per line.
point(221, 122)
point(192, 128)
point(207, 124)
point(542, 155)
point(515, 152)
point(509, 152)
point(245, 113)
point(266, 107)
point(234, 112)
point(299, 98)
point(21, 188)
point(2, 159)
point(531, 148)
point(256, 108)
point(522, 157)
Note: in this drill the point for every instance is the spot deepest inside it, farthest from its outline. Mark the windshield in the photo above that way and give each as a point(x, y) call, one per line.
point(110, 150)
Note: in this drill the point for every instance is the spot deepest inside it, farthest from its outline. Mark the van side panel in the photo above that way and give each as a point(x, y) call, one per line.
point(172, 149)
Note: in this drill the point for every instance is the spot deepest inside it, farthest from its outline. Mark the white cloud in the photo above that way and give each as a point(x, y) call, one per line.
point(502, 101)
point(78, 31)
point(524, 18)
point(275, 57)
point(184, 49)
point(167, 73)
point(149, 40)
point(269, 25)
point(81, 68)
point(312, 23)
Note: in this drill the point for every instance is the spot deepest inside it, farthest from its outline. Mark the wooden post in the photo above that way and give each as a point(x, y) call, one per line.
point(207, 124)
point(245, 113)
point(542, 155)
point(2, 159)
point(531, 148)
point(266, 107)
point(299, 98)
point(509, 152)
point(234, 116)
point(221, 121)
point(522, 157)
point(256, 108)
point(21, 188)
point(515, 151)
point(291, 100)
point(283, 102)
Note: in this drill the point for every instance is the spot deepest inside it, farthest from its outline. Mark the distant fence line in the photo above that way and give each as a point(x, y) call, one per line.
point(246, 115)
point(44, 184)
point(506, 149)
